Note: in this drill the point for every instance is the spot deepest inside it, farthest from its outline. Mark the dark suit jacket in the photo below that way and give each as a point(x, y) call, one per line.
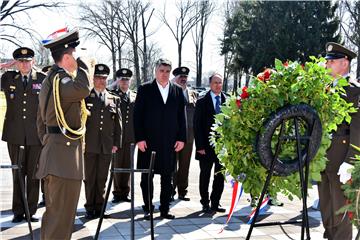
point(203, 121)
point(340, 150)
point(22, 104)
point(159, 124)
point(103, 125)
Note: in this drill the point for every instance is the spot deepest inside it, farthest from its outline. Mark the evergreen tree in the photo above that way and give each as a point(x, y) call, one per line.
point(258, 32)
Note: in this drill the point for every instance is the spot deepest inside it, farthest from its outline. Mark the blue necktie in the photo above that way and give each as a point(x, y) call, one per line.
point(217, 104)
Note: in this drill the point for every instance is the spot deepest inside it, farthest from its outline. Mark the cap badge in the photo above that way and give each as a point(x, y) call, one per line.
point(183, 69)
point(330, 48)
point(101, 68)
point(24, 51)
point(124, 71)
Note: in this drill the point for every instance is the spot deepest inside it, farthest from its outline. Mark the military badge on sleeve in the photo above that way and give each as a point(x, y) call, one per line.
point(65, 80)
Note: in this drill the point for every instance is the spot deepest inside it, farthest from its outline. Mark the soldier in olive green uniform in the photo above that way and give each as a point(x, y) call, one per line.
point(331, 196)
point(61, 127)
point(21, 90)
point(121, 180)
point(103, 136)
point(181, 176)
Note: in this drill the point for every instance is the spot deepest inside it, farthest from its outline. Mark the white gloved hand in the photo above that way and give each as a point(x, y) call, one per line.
point(345, 172)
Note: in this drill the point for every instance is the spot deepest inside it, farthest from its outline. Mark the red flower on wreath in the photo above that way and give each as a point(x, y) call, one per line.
point(244, 93)
point(238, 102)
point(286, 64)
point(265, 75)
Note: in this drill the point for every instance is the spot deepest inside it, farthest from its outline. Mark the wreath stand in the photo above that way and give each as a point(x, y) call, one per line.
point(303, 159)
point(131, 170)
point(17, 167)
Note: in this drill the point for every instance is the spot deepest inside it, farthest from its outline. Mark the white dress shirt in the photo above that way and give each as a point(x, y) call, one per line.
point(164, 91)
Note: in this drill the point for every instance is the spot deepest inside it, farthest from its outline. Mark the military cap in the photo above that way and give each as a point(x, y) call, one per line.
point(46, 69)
point(182, 71)
point(68, 40)
point(101, 70)
point(163, 61)
point(23, 53)
point(124, 73)
point(336, 51)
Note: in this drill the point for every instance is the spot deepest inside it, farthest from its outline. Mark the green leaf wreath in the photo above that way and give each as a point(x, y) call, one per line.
point(236, 128)
point(352, 193)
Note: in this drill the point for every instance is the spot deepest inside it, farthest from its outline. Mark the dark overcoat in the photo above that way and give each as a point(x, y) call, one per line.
point(159, 124)
point(203, 121)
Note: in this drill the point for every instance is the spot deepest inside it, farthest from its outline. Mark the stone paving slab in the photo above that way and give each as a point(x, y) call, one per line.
point(190, 222)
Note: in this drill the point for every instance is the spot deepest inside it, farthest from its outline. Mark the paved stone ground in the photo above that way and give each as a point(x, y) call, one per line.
point(190, 222)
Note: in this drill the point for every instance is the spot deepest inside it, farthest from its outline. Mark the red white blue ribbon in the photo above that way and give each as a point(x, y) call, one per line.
point(236, 194)
point(262, 207)
point(55, 35)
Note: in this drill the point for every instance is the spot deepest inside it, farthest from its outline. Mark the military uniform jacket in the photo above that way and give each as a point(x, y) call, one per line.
point(127, 112)
point(346, 135)
point(190, 103)
point(61, 156)
point(22, 104)
point(103, 125)
point(159, 124)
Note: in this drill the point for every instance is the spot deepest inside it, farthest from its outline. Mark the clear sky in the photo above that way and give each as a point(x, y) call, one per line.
point(46, 22)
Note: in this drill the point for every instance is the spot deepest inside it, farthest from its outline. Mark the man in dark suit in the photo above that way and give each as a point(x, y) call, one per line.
point(159, 123)
point(331, 196)
point(121, 180)
point(21, 90)
point(61, 127)
point(206, 108)
point(183, 157)
point(103, 136)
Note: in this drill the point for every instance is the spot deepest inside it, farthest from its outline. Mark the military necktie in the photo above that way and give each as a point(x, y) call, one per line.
point(25, 81)
point(217, 104)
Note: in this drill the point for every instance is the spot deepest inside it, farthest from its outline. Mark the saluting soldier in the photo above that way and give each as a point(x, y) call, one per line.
point(331, 196)
point(61, 127)
point(103, 136)
point(21, 90)
point(121, 180)
point(181, 176)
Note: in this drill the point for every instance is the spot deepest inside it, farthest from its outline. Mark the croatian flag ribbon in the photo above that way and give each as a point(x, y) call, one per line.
point(236, 194)
point(55, 35)
point(262, 207)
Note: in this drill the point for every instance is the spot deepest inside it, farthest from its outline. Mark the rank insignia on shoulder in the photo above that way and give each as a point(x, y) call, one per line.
point(92, 95)
point(12, 87)
point(89, 104)
point(65, 80)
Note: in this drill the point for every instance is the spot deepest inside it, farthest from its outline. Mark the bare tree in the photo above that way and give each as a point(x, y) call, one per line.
point(186, 19)
point(145, 58)
point(349, 15)
point(204, 8)
point(10, 29)
point(131, 15)
point(101, 21)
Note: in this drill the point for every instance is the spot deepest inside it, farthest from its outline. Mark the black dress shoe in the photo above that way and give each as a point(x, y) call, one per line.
point(147, 215)
point(218, 209)
point(167, 215)
point(116, 199)
point(275, 202)
point(98, 213)
point(17, 218)
point(33, 219)
point(206, 209)
point(125, 199)
point(90, 215)
point(182, 197)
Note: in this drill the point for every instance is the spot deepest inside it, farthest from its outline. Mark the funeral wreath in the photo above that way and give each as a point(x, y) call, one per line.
point(242, 119)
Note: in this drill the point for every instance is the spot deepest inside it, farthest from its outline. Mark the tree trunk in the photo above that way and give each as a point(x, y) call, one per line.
point(179, 53)
point(236, 76)
point(145, 57)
